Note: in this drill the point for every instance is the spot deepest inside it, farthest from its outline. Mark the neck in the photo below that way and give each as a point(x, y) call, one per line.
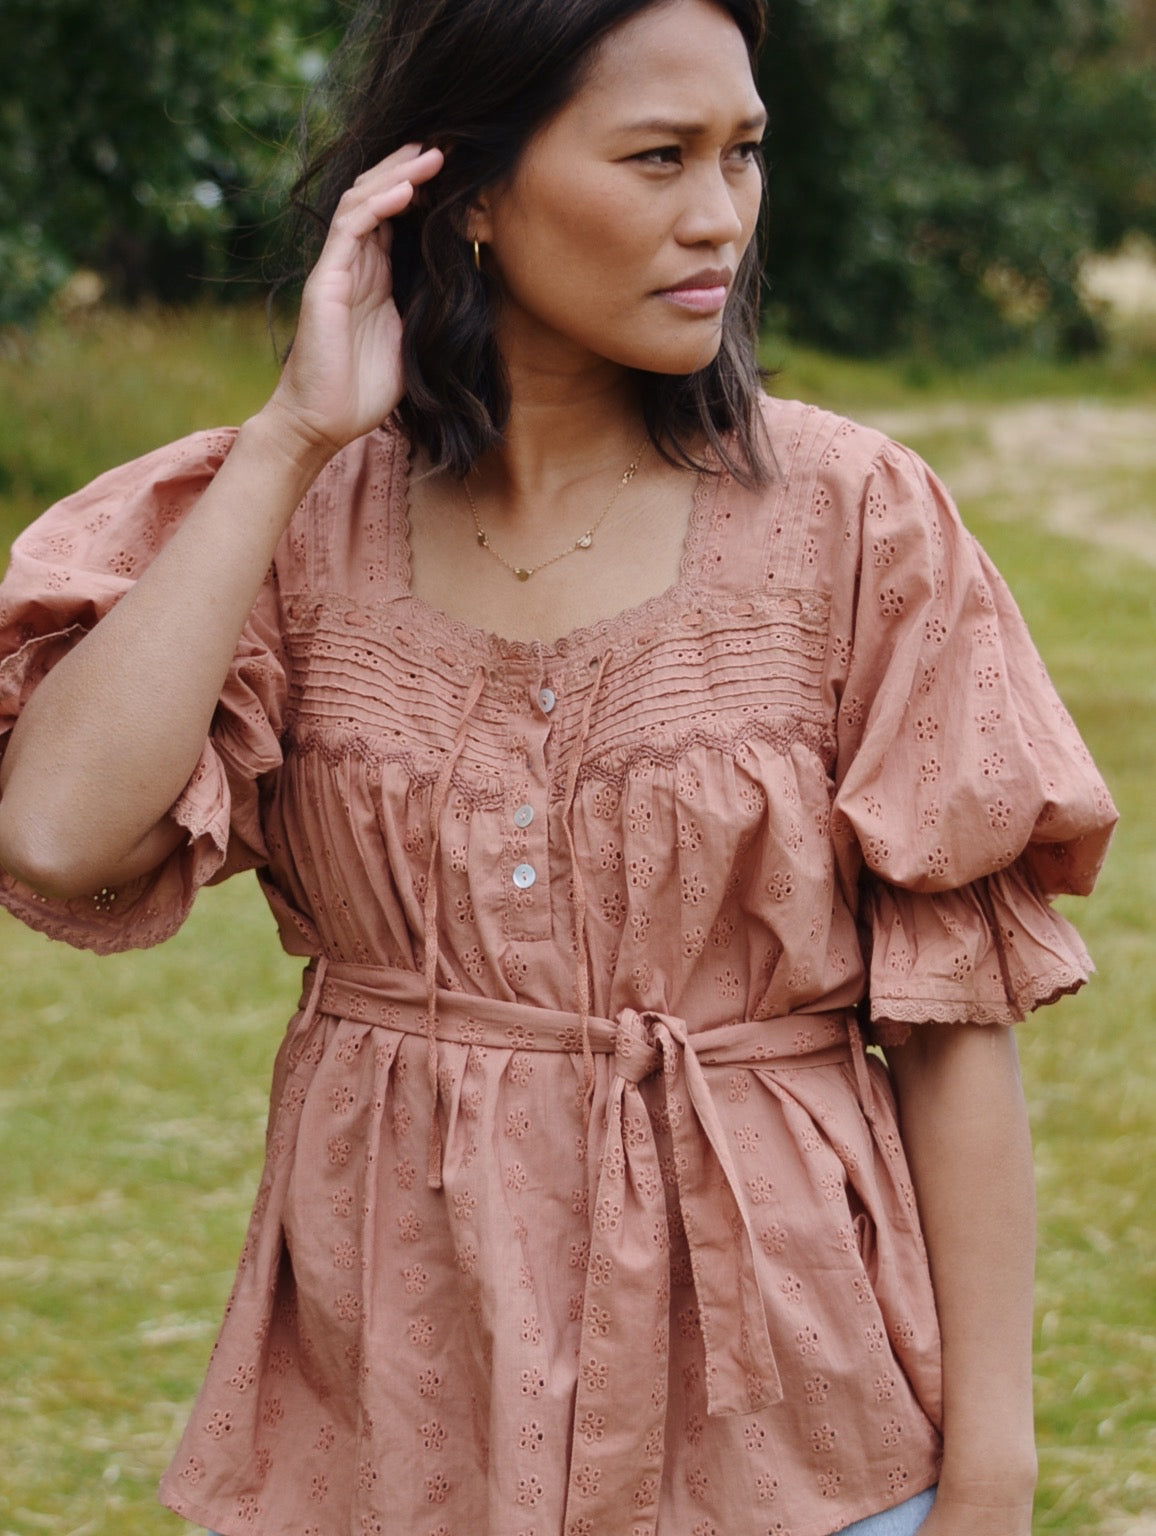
point(550, 445)
point(572, 420)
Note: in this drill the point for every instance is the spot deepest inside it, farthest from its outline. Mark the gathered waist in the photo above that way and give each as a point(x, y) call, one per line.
point(397, 999)
point(626, 1303)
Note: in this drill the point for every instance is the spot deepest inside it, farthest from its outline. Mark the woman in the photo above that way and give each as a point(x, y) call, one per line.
point(607, 736)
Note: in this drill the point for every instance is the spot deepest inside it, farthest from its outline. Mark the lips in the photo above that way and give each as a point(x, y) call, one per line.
point(702, 293)
point(706, 281)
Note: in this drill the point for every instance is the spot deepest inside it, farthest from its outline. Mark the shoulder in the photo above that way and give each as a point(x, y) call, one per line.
point(810, 442)
point(844, 472)
point(199, 455)
point(194, 458)
point(836, 488)
point(123, 516)
point(825, 464)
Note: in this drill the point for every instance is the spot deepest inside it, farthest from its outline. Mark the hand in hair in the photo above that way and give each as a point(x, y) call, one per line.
point(113, 733)
point(343, 376)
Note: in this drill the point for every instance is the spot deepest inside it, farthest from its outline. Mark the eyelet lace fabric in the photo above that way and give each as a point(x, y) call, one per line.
point(579, 961)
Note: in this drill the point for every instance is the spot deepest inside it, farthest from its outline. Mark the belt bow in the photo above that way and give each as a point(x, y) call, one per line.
point(616, 1467)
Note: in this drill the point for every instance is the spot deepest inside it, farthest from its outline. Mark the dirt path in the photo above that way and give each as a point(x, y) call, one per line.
point(1088, 467)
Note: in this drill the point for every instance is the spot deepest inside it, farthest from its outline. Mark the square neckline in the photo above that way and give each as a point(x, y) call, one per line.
point(708, 491)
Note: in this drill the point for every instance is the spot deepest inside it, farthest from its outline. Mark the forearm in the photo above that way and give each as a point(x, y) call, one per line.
point(108, 741)
point(965, 1131)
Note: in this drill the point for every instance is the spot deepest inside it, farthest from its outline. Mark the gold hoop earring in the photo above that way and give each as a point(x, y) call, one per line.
point(477, 255)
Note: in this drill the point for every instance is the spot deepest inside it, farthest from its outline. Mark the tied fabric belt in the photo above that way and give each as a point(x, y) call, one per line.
point(626, 1311)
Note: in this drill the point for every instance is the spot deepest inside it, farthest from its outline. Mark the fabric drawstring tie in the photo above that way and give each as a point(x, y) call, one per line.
point(432, 955)
point(581, 939)
point(626, 1308)
point(315, 973)
point(863, 1083)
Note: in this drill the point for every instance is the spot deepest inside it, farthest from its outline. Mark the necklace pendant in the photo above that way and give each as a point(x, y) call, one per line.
point(586, 541)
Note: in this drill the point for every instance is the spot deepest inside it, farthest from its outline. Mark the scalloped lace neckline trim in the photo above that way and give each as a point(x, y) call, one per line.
point(706, 492)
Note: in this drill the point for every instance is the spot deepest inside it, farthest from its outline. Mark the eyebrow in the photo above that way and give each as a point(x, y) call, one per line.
point(690, 130)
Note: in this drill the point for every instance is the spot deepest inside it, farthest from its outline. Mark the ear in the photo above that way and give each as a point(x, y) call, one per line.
point(479, 219)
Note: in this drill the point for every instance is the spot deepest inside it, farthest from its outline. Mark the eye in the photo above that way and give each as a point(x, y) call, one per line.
point(665, 154)
point(751, 150)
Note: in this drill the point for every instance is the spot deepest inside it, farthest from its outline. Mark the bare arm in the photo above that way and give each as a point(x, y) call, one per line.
point(108, 741)
point(965, 1130)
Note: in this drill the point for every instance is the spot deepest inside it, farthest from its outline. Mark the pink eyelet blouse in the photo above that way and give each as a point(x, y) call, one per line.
point(584, 1212)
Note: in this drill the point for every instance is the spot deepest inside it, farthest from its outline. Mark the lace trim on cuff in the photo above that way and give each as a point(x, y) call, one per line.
point(892, 1017)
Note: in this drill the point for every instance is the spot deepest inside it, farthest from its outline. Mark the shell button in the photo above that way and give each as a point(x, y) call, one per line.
point(523, 816)
point(547, 698)
point(525, 876)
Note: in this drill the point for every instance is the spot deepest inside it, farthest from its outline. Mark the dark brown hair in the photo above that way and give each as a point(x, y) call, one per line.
point(478, 78)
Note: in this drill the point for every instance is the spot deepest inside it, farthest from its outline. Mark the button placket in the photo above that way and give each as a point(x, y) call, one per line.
point(526, 853)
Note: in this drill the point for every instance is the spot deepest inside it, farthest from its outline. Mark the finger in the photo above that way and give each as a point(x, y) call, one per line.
point(375, 198)
point(411, 161)
point(391, 173)
point(426, 165)
point(416, 169)
point(380, 181)
point(356, 218)
point(397, 157)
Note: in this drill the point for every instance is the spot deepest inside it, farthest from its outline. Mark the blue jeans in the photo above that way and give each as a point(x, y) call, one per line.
point(904, 1520)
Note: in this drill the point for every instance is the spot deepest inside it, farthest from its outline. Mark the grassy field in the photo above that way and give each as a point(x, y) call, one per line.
point(132, 1089)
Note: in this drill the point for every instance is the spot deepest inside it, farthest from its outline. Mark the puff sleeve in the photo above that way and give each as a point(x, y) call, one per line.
point(965, 797)
point(68, 569)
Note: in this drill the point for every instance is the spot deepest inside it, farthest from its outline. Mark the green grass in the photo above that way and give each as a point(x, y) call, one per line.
point(131, 1121)
point(1121, 372)
point(1087, 1063)
point(132, 1089)
point(84, 393)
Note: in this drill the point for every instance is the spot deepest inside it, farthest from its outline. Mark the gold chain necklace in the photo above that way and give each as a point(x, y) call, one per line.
point(584, 541)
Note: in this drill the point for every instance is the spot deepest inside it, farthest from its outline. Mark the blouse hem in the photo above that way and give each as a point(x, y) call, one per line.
point(861, 1509)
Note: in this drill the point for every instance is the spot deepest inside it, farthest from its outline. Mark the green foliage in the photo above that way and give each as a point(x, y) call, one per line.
point(937, 171)
point(141, 139)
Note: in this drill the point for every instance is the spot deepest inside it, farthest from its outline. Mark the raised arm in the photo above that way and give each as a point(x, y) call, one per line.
point(108, 741)
point(965, 1130)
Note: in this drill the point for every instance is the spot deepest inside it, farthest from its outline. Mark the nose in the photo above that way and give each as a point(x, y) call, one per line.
point(714, 211)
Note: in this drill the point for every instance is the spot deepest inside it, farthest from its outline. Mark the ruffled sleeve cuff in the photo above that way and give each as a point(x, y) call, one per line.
point(149, 910)
point(988, 953)
point(67, 571)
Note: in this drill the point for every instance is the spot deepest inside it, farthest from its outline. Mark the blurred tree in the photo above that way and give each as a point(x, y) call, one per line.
point(938, 171)
point(137, 138)
point(1144, 26)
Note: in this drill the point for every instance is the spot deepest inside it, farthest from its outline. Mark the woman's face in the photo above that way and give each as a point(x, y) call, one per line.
point(623, 227)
